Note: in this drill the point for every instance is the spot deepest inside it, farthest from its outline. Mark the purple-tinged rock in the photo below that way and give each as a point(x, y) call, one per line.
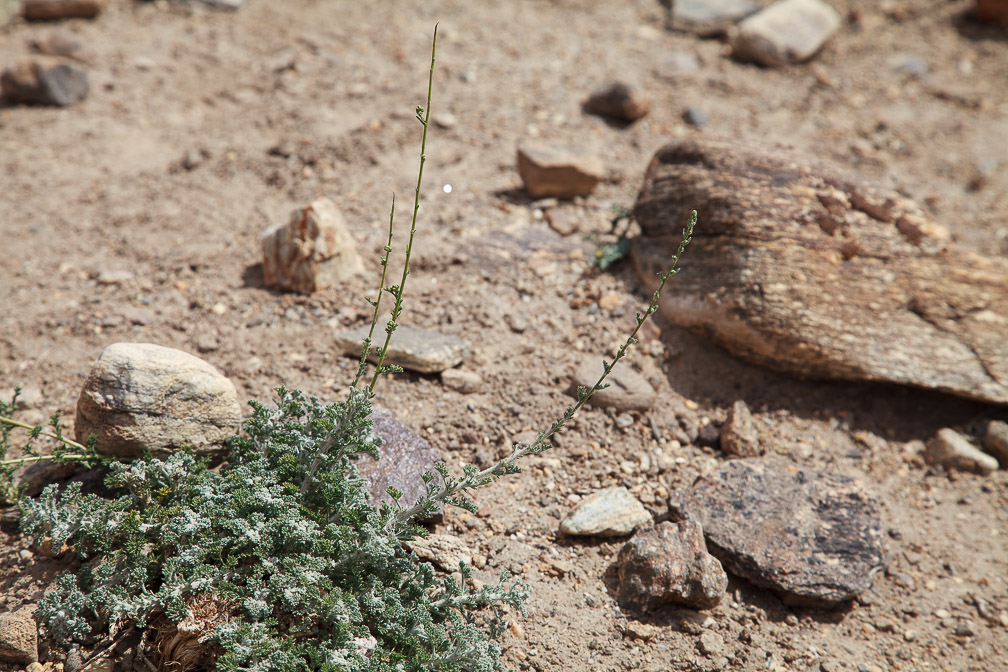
point(404, 457)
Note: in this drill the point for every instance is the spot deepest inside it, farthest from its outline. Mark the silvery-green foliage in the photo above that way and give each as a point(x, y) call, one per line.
point(318, 575)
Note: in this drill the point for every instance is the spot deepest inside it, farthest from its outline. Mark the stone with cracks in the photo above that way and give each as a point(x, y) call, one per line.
point(803, 268)
point(313, 250)
point(414, 349)
point(444, 550)
point(404, 457)
point(143, 396)
point(813, 537)
point(669, 564)
point(610, 512)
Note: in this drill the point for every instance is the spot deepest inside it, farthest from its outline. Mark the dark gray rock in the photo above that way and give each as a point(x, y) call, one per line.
point(619, 101)
point(669, 564)
point(404, 457)
point(695, 116)
point(33, 83)
point(812, 537)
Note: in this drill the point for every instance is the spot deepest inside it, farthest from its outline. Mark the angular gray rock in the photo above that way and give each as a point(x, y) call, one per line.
point(619, 101)
point(610, 512)
point(669, 564)
point(627, 391)
point(952, 450)
point(144, 396)
point(404, 457)
point(548, 170)
point(35, 83)
point(313, 250)
point(786, 32)
point(19, 637)
point(803, 268)
point(995, 441)
point(420, 350)
point(813, 537)
point(738, 435)
point(708, 17)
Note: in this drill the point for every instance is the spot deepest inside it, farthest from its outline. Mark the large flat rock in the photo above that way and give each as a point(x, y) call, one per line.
point(803, 268)
point(813, 537)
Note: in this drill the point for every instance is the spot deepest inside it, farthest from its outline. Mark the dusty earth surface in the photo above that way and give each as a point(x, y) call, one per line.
point(203, 127)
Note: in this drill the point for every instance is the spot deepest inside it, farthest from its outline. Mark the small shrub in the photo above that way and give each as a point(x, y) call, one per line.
point(278, 561)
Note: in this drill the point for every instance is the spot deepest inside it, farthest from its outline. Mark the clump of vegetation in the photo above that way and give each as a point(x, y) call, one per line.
point(279, 561)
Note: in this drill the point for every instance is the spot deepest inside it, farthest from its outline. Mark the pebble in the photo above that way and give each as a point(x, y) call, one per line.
point(995, 440)
point(141, 396)
point(311, 251)
point(414, 349)
point(952, 450)
point(710, 644)
point(966, 628)
point(552, 170)
point(114, 277)
point(25, 555)
point(56, 10)
point(669, 564)
point(738, 434)
point(57, 43)
point(460, 380)
point(695, 116)
point(610, 512)
point(678, 64)
point(813, 537)
point(34, 83)
point(708, 17)
point(619, 101)
point(909, 64)
point(786, 32)
point(627, 391)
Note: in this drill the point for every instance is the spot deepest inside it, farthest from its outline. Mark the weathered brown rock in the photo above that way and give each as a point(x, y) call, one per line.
point(38, 83)
point(995, 441)
point(992, 11)
point(619, 101)
point(143, 396)
point(55, 10)
point(952, 450)
point(312, 251)
point(800, 267)
point(548, 170)
point(19, 637)
point(738, 435)
point(813, 537)
point(669, 564)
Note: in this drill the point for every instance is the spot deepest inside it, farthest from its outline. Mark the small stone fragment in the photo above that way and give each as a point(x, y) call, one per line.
point(19, 637)
point(811, 536)
point(33, 83)
point(444, 550)
point(57, 43)
point(995, 440)
point(461, 380)
point(627, 391)
point(114, 276)
point(312, 251)
point(619, 101)
point(786, 32)
point(695, 116)
point(419, 350)
point(56, 10)
point(610, 512)
point(952, 450)
point(669, 564)
point(143, 396)
point(966, 628)
point(710, 644)
point(738, 435)
point(548, 170)
point(708, 17)
point(677, 64)
point(404, 456)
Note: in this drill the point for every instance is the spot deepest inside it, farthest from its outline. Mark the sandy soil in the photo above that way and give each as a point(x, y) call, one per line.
point(203, 127)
